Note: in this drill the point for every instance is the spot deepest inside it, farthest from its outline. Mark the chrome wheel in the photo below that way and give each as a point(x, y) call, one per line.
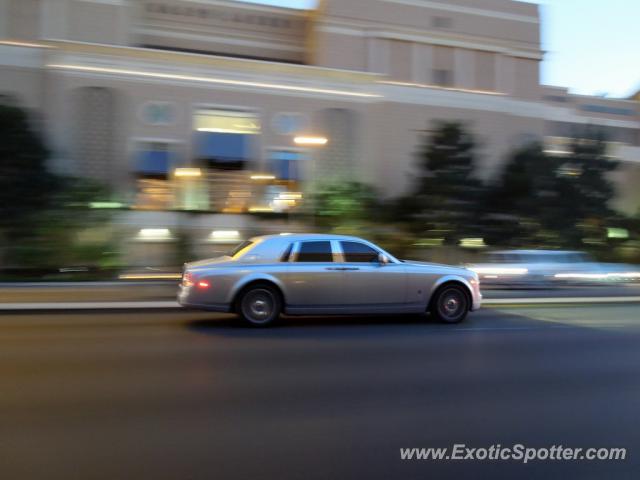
point(259, 306)
point(451, 304)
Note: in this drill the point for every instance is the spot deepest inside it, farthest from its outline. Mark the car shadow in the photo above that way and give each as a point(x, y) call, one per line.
point(367, 325)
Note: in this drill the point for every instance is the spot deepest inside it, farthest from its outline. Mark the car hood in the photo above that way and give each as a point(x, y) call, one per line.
point(441, 266)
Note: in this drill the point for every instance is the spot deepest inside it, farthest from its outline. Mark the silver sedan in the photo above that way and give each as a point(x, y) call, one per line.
point(314, 274)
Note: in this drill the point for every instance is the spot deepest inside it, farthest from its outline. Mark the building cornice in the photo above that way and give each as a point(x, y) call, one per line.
point(165, 57)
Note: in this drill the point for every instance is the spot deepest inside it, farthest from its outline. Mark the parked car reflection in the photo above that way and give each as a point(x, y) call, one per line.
point(548, 268)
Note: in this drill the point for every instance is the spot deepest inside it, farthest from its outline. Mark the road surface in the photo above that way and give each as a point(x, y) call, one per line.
point(183, 395)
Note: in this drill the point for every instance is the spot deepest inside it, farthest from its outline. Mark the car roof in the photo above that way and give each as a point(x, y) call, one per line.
point(296, 237)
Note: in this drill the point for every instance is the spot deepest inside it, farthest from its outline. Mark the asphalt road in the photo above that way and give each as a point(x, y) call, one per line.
point(166, 395)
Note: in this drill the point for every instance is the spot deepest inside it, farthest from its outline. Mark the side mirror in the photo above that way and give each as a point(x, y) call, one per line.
point(383, 259)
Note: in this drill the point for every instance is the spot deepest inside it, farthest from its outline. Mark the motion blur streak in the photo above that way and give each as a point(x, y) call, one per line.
point(499, 270)
point(599, 276)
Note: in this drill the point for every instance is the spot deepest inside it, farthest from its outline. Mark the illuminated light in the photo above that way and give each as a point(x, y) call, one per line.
point(214, 80)
point(203, 284)
point(310, 140)
point(149, 276)
point(260, 209)
point(429, 242)
point(290, 196)
point(472, 243)
point(187, 172)
point(598, 276)
point(14, 43)
point(106, 205)
point(556, 152)
point(223, 236)
point(154, 234)
point(262, 177)
point(244, 131)
point(591, 276)
point(617, 232)
point(280, 202)
point(439, 87)
point(499, 270)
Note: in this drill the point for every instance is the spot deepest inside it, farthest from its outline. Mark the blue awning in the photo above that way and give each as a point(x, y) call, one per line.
point(222, 147)
point(153, 162)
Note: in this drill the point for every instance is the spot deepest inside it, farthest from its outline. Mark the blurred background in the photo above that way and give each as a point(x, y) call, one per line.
point(137, 135)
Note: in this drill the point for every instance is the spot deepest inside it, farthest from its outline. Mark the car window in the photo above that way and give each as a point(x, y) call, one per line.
point(287, 253)
point(315, 252)
point(358, 252)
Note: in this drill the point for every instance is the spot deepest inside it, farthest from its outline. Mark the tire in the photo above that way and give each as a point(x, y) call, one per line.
point(450, 304)
point(259, 305)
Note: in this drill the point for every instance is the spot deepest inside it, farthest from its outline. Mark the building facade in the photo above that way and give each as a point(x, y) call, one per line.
point(231, 107)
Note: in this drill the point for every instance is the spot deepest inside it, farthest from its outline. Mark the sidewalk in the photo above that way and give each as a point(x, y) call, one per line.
point(74, 292)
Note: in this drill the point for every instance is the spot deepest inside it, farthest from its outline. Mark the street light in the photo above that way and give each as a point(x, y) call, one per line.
point(310, 141)
point(187, 172)
point(188, 187)
point(261, 176)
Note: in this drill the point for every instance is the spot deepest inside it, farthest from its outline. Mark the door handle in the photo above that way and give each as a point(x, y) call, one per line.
point(350, 268)
point(333, 268)
point(342, 268)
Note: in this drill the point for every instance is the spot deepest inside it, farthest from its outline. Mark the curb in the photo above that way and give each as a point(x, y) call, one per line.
point(558, 300)
point(173, 305)
point(48, 306)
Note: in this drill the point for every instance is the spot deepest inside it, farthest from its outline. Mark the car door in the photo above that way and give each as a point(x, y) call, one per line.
point(367, 281)
point(313, 279)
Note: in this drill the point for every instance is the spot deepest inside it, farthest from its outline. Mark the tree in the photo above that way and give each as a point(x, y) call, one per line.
point(343, 205)
point(445, 196)
point(25, 184)
point(552, 200)
point(46, 220)
point(588, 167)
point(528, 206)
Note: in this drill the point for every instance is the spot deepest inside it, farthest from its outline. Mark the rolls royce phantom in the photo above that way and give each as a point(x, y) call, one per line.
point(315, 274)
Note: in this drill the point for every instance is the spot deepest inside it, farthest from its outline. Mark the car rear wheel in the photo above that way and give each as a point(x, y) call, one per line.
point(450, 304)
point(259, 305)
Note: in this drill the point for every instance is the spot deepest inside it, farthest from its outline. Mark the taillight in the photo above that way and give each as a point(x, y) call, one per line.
point(187, 279)
point(203, 284)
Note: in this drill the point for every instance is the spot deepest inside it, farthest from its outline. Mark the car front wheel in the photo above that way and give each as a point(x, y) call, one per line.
point(450, 304)
point(259, 305)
